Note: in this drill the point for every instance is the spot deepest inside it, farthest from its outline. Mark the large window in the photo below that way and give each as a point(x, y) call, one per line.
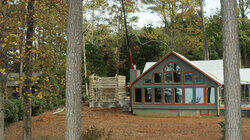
point(137, 94)
point(148, 95)
point(188, 95)
point(168, 95)
point(178, 95)
point(199, 92)
point(172, 73)
point(157, 92)
point(157, 77)
point(210, 95)
point(175, 95)
point(188, 77)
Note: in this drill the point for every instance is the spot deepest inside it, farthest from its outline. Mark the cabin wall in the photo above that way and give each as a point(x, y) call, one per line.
point(175, 109)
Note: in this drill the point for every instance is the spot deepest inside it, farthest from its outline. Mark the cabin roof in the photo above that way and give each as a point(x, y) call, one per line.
point(150, 65)
point(214, 68)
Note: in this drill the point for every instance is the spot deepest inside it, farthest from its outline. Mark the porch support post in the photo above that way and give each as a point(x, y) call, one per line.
point(218, 100)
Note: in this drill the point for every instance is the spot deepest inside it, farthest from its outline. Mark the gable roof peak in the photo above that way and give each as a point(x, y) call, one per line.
point(186, 61)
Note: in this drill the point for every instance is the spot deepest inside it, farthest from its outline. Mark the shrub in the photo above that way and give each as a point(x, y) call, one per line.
point(13, 110)
point(93, 133)
point(38, 106)
point(223, 130)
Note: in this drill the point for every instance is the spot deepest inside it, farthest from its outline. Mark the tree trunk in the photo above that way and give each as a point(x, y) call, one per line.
point(126, 29)
point(231, 57)
point(27, 93)
point(206, 52)
point(1, 113)
point(3, 67)
point(73, 71)
point(92, 22)
point(85, 68)
point(3, 81)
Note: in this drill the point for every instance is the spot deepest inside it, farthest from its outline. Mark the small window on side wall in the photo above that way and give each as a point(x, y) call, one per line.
point(147, 81)
point(157, 77)
point(210, 95)
point(138, 94)
point(188, 78)
point(199, 80)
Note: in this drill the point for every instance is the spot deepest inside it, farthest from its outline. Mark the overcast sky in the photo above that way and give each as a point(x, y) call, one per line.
point(150, 18)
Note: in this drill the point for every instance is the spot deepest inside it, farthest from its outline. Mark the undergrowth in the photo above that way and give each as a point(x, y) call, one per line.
point(93, 133)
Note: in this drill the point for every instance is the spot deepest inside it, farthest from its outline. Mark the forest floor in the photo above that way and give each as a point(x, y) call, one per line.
point(126, 126)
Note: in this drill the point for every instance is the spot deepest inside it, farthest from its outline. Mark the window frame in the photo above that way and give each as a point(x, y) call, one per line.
point(199, 83)
point(204, 102)
point(173, 71)
point(172, 97)
point(184, 77)
point(185, 96)
point(153, 78)
point(153, 95)
point(144, 83)
point(144, 93)
point(215, 97)
point(141, 96)
point(182, 98)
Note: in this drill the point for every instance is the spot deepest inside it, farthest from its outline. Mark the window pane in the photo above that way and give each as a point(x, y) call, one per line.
point(210, 95)
point(176, 67)
point(148, 95)
point(168, 95)
point(199, 80)
point(138, 95)
point(188, 95)
point(170, 67)
point(178, 95)
point(173, 67)
point(157, 94)
point(147, 81)
point(199, 95)
point(177, 77)
point(188, 77)
point(157, 77)
point(168, 77)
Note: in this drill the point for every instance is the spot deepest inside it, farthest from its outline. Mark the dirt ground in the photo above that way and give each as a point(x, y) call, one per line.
point(127, 126)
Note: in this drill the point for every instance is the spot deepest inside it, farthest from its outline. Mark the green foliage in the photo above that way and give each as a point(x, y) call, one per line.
point(85, 97)
point(13, 108)
point(100, 60)
point(38, 106)
point(223, 129)
point(93, 133)
point(214, 35)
